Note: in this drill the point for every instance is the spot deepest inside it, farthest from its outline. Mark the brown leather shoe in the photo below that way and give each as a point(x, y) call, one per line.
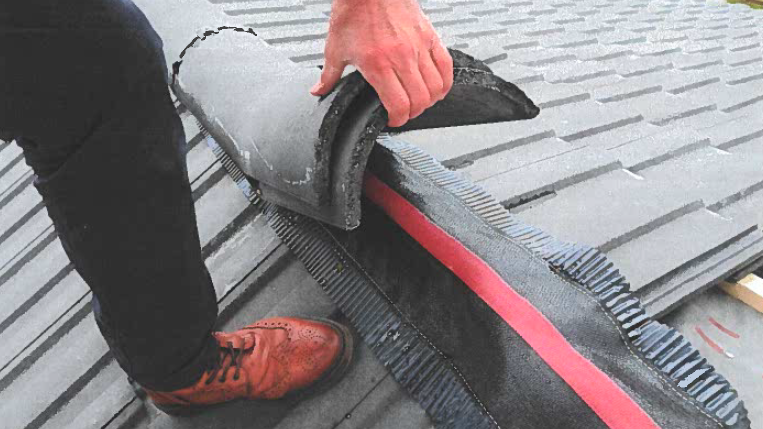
point(269, 359)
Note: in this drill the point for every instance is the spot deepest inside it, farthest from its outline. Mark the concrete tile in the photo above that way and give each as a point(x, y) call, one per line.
point(743, 33)
point(514, 158)
point(291, 20)
point(217, 208)
point(190, 126)
point(453, 19)
point(725, 98)
point(662, 109)
point(665, 36)
point(301, 49)
point(41, 315)
point(576, 121)
point(387, 406)
point(734, 132)
point(633, 65)
point(628, 89)
point(52, 374)
point(489, 11)
point(704, 119)
point(537, 29)
point(241, 254)
point(17, 207)
point(743, 74)
point(653, 149)
point(704, 34)
point(704, 174)
point(516, 73)
point(673, 246)
point(576, 71)
point(94, 405)
point(548, 175)
point(13, 176)
point(638, 27)
point(741, 45)
point(743, 58)
point(356, 390)
point(260, 7)
point(704, 47)
point(30, 277)
point(15, 240)
point(487, 52)
point(567, 17)
point(454, 145)
point(746, 208)
point(623, 37)
point(658, 49)
point(199, 160)
point(565, 40)
point(547, 95)
point(10, 156)
point(707, 61)
point(608, 210)
point(591, 27)
point(618, 136)
point(541, 57)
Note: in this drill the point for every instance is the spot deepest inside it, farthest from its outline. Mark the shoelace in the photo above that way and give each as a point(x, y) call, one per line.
point(236, 355)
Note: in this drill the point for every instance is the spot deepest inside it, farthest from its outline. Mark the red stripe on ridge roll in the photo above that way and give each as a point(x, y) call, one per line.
point(615, 408)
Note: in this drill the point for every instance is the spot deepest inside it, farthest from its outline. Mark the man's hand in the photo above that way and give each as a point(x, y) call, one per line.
point(395, 48)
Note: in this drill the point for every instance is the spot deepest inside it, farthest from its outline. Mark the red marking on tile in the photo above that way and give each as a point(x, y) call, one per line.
point(709, 342)
point(723, 329)
point(605, 397)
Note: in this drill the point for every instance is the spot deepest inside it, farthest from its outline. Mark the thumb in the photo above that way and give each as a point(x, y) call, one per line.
point(332, 72)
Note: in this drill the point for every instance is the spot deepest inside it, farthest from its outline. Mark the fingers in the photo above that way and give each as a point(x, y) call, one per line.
point(431, 77)
point(444, 63)
point(391, 93)
point(332, 72)
point(419, 96)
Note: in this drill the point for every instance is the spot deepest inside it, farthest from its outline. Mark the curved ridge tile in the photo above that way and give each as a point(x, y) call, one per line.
point(307, 152)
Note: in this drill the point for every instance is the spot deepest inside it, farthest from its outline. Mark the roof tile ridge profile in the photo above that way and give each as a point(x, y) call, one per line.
point(309, 153)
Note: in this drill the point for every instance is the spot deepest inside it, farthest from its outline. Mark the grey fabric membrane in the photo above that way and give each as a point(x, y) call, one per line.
point(309, 153)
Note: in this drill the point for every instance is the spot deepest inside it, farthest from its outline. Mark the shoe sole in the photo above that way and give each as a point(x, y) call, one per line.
point(329, 379)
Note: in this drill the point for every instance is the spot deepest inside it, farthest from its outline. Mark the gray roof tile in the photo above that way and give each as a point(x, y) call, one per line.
point(731, 133)
point(655, 148)
point(580, 213)
point(547, 95)
point(674, 245)
point(551, 174)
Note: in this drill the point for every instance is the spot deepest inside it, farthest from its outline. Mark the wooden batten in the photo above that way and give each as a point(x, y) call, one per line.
point(748, 290)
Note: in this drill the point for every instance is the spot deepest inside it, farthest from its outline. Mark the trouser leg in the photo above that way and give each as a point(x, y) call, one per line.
point(83, 89)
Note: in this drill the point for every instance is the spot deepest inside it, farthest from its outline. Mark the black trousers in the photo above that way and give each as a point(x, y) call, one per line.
point(83, 91)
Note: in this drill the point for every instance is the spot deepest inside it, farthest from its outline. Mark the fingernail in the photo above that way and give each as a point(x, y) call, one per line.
point(315, 87)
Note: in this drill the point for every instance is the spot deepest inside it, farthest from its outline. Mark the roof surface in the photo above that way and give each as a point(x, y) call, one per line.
point(649, 145)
